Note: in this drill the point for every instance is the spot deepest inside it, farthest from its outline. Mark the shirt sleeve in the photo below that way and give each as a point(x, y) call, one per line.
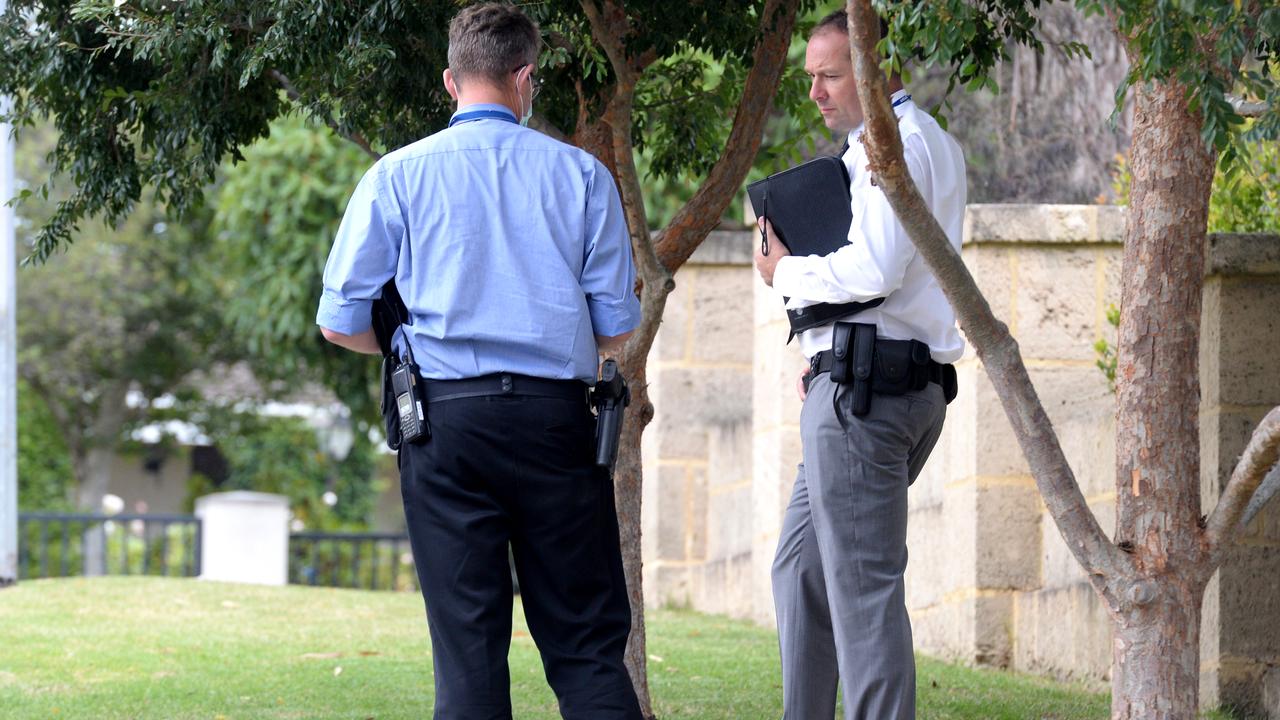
point(874, 262)
point(363, 258)
point(608, 271)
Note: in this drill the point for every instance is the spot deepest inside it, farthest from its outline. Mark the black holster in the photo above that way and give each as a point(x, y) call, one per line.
point(610, 396)
point(866, 365)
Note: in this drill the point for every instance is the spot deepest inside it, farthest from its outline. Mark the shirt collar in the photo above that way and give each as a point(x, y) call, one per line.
point(898, 110)
point(484, 106)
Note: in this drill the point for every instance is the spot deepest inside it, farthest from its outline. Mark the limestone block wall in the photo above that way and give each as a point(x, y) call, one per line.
point(1239, 383)
point(990, 580)
point(697, 451)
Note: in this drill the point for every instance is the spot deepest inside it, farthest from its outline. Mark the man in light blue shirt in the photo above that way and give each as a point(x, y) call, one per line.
point(511, 253)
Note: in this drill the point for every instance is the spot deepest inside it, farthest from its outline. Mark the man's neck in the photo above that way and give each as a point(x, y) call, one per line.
point(484, 94)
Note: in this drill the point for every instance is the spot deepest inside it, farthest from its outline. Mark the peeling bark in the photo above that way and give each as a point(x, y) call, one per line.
point(1158, 377)
point(1155, 671)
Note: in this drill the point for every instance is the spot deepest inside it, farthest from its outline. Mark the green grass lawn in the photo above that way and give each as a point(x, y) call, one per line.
point(170, 649)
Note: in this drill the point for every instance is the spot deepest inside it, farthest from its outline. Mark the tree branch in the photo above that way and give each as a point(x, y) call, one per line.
point(997, 349)
point(611, 33)
point(292, 91)
point(702, 213)
point(1260, 455)
point(1245, 108)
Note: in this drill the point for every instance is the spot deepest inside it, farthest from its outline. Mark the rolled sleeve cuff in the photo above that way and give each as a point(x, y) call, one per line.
point(349, 317)
point(617, 318)
point(788, 276)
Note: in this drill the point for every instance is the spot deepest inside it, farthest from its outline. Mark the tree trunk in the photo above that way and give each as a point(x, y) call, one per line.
point(1155, 671)
point(1158, 378)
point(609, 138)
point(1156, 658)
point(627, 481)
point(93, 469)
point(91, 461)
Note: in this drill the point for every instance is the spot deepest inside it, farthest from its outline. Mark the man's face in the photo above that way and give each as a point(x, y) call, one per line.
point(827, 63)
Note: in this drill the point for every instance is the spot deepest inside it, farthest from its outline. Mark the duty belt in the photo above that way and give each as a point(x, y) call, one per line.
point(943, 375)
point(505, 384)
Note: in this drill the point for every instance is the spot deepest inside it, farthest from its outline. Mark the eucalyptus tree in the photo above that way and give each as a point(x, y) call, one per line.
point(1185, 61)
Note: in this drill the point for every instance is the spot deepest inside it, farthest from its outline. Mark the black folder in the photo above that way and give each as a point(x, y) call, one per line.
point(808, 205)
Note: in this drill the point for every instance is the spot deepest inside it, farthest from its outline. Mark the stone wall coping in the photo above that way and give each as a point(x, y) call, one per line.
point(724, 247)
point(1226, 253)
point(1242, 254)
point(1066, 224)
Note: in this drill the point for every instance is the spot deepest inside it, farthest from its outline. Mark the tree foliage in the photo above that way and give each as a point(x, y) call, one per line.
point(155, 94)
point(1211, 48)
point(286, 456)
point(277, 213)
point(45, 477)
point(151, 93)
point(125, 309)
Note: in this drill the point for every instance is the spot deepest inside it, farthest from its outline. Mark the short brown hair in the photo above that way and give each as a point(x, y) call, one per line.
point(490, 41)
point(839, 21)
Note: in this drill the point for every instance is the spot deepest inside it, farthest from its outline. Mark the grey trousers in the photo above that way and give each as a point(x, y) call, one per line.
point(837, 577)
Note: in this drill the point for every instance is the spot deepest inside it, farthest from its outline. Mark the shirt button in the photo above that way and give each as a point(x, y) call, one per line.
point(506, 383)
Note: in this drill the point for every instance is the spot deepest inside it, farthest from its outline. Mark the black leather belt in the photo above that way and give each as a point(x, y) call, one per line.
point(505, 384)
point(821, 363)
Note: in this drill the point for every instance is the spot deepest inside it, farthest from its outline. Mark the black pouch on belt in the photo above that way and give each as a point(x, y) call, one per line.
point(864, 350)
point(853, 350)
point(901, 366)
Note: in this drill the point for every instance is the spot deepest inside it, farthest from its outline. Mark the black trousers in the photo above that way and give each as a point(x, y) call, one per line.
point(516, 470)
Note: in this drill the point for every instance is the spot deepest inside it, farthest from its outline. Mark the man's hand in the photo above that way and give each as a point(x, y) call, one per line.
point(765, 264)
point(800, 383)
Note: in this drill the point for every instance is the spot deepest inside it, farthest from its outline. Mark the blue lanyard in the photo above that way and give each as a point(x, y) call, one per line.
point(482, 115)
point(901, 100)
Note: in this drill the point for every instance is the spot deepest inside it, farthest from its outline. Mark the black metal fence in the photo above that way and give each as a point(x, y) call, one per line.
point(54, 544)
point(370, 561)
point(57, 544)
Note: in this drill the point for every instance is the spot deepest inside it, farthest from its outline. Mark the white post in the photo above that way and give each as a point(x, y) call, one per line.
point(8, 359)
point(244, 537)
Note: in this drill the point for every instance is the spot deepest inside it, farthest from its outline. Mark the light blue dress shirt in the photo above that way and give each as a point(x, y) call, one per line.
point(509, 248)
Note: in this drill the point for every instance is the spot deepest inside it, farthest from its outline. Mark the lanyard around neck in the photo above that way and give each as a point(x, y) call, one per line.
point(481, 115)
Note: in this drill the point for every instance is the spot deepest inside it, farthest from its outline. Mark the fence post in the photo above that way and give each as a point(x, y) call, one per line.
point(245, 537)
point(8, 359)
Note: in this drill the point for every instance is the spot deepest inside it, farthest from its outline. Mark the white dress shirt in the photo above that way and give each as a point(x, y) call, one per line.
point(880, 260)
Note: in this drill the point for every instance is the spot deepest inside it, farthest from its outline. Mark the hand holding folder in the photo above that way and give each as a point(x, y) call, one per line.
point(808, 206)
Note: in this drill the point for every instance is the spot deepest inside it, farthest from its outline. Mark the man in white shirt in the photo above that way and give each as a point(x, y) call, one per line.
point(838, 573)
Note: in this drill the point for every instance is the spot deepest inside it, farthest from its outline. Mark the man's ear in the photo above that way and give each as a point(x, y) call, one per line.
point(523, 74)
point(449, 84)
